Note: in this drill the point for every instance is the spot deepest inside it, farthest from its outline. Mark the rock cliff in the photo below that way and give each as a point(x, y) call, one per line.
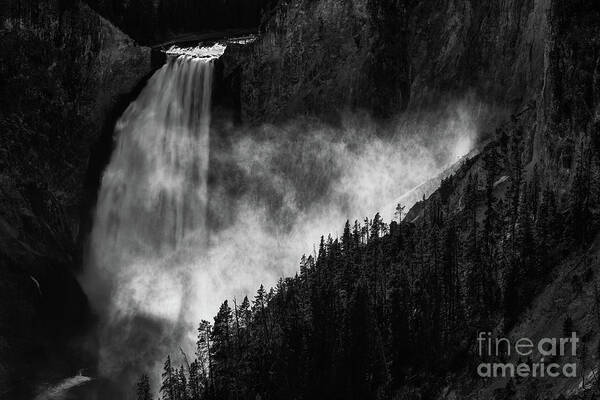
point(63, 70)
point(389, 56)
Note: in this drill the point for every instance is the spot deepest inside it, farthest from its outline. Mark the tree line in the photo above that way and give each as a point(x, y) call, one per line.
point(388, 310)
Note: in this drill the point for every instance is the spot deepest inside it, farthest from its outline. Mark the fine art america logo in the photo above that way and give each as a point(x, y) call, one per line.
point(548, 353)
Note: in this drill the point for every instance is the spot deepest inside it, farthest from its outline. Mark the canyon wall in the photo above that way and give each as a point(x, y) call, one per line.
point(389, 56)
point(64, 71)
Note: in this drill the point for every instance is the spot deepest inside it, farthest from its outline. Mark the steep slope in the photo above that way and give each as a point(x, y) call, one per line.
point(572, 294)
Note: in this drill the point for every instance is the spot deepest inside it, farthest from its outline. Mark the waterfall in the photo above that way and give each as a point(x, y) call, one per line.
point(154, 191)
point(151, 211)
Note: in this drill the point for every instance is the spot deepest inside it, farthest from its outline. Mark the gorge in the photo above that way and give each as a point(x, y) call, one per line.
point(170, 239)
point(113, 252)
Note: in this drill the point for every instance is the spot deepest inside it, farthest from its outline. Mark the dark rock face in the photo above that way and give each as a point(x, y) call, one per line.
point(62, 68)
point(495, 49)
point(388, 56)
point(569, 116)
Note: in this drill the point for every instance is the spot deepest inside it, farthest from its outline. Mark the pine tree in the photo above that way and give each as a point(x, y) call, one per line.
point(222, 345)
point(143, 388)
point(398, 212)
point(347, 239)
point(181, 384)
point(259, 308)
point(377, 226)
point(169, 385)
point(245, 313)
point(356, 234)
point(195, 381)
point(204, 353)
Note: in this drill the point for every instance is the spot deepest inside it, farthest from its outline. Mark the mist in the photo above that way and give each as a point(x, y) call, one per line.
point(285, 186)
point(272, 191)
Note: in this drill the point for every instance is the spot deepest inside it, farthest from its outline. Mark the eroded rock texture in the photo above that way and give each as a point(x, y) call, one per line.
point(389, 56)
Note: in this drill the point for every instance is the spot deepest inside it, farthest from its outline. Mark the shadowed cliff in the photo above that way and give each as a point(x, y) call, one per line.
point(63, 70)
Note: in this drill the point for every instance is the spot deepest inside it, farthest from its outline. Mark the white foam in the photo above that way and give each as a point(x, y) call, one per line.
point(203, 52)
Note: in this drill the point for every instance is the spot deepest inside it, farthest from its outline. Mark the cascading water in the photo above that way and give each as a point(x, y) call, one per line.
point(154, 190)
point(151, 211)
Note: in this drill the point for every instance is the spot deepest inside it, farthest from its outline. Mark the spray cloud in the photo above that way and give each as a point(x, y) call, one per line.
point(183, 224)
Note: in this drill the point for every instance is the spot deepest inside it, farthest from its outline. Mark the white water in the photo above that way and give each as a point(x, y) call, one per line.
point(151, 208)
